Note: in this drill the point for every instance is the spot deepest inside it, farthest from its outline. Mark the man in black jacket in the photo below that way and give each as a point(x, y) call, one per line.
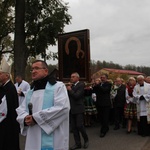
point(103, 102)
point(76, 96)
point(119, 102)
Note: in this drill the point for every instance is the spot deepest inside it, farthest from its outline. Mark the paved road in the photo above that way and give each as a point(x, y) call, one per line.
point(114, 140)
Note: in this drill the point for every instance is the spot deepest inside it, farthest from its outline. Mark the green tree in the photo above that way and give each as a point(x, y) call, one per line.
point(99, 65)
point(6, 26)
point(37, 25)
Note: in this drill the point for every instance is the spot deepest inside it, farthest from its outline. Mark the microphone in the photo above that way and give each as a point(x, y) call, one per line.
point(30, 106)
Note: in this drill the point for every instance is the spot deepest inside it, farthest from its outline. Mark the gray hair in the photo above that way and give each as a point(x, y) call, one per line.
point(75, 73)
point(140, 77)
point(148, 77)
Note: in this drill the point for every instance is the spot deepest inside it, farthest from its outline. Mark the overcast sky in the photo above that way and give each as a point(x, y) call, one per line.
point(119, 29)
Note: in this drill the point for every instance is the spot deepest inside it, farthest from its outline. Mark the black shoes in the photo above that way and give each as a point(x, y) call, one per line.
point(86, 144)
point(75, 147)
point(129, 131)
point(103, 132)
point(102, 135)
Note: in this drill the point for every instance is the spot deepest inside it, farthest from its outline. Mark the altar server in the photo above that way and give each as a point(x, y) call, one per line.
point(22, 87)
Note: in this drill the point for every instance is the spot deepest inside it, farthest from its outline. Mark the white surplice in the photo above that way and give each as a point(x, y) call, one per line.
point(55, 120)
point(23, 87)
point(143, 106)
point(3, 109)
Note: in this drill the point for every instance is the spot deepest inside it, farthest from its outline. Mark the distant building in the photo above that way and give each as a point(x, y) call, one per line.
point(117, 72)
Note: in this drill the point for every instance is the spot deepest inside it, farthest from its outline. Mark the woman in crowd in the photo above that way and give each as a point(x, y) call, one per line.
point(90, 108)
point(130, 107)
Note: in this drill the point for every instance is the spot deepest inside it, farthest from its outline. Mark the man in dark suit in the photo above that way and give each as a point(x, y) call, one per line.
point(119, 102)
point(76, 95)
point(103, 103)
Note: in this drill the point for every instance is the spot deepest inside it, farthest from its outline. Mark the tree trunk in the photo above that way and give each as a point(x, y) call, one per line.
point(20, 51)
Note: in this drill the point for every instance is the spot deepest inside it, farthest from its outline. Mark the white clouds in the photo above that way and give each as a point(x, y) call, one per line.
point(119, 29)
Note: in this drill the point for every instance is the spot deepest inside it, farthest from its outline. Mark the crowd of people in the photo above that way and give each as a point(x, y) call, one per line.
point(122, 104)
point(44, 110)
point(119, 103)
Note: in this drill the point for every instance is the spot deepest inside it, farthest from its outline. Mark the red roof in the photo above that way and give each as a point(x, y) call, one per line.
point(123, 71)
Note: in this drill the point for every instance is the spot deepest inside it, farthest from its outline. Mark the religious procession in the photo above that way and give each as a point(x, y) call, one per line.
point(47, 110)
point(68, 108)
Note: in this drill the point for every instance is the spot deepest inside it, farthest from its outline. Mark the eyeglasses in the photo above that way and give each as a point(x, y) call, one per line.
point(36, 69)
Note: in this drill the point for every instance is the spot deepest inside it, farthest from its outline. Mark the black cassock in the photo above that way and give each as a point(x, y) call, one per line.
point(9, 127)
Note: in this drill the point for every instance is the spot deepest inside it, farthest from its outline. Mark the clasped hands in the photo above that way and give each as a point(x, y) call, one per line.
point(141, 98)
point(68, 87)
